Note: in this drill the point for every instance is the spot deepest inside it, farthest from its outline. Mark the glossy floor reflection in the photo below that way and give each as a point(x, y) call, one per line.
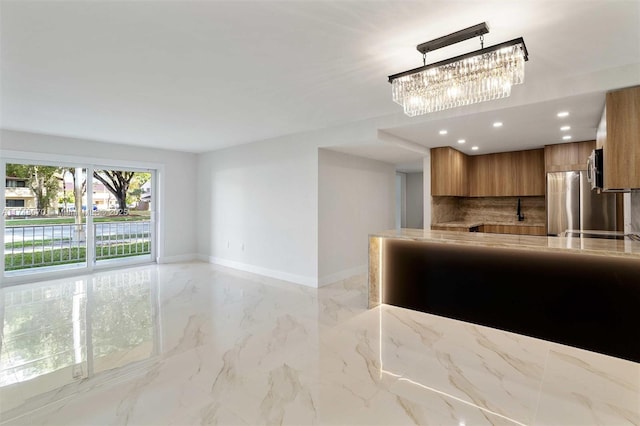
point(199, 344)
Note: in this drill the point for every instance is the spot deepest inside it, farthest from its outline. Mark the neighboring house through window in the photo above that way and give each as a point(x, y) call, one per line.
point(14, 203)
point(15, 183)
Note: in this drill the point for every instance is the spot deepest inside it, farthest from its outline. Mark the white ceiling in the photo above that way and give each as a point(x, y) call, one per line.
point(202, 75)
point(523, 127)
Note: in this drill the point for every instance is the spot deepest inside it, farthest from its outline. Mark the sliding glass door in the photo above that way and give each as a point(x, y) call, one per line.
point(44, 228)
point(59, 217)
point(125, 230)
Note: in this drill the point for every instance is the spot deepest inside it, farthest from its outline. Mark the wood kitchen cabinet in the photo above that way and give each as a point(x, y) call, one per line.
point(514, 229)
point(449, 172)
point(484, 175)
point(517, 173)
point(454, 228)
point(564, 157)
point(529, 172)
point(619, 137)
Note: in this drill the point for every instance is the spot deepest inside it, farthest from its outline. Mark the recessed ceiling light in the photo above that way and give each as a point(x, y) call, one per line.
point(563, 114)
point(566, 138)
point(443, 132)
point(565, 128)
point(461, 141)
point(497, 124)
point(475, 148)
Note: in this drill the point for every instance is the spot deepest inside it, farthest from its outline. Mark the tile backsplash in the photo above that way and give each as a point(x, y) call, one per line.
point(488, 209)
point(446, 209)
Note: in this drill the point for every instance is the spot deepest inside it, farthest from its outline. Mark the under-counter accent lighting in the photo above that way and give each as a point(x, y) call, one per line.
point(475, 148)
point(563, 114)
point(566, 138)
point(482, 75)
point(565, 128)
point(497, 124)
point(443, 132)
point(461, 141)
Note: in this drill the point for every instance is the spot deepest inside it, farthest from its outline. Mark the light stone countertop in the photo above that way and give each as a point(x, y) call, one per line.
point(602, 247)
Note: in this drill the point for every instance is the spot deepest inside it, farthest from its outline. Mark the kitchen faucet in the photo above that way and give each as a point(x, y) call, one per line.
point(518, 213)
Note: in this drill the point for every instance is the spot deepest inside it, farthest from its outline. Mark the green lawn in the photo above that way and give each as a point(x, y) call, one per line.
point(57, 241)
point(14, 262)
point(135, 217)
point(121, 236)
point(37, 243)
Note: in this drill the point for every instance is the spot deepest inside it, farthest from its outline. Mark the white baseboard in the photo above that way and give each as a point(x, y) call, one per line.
point(179, 258)
point(285, 276)
point(342, 275)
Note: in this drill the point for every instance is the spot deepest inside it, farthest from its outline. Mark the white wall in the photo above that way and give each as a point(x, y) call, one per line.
point(426, 191)
point(178, 180)
point(255, 206)
point(414, 200)
point(356, 196)
point(400, 201)
point(258, 208)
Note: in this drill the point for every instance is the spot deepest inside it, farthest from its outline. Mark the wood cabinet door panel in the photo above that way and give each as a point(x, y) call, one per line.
point(564, 157)
point(622, 141)
point(529, 171)
point(507, 174)
point(448, 172)
point(515, 229)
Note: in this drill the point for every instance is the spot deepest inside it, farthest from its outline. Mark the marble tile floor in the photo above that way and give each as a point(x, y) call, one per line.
point(195, 343)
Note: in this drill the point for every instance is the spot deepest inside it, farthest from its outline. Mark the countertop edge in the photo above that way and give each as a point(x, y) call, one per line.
point(609, 248)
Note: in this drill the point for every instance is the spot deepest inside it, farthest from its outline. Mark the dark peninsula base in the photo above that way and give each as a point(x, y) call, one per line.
point(587, 301)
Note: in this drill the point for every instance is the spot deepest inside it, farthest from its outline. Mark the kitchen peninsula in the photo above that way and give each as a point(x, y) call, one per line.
point(575, 291)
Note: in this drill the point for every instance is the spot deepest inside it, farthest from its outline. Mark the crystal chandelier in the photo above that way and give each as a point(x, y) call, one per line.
point(479, 76)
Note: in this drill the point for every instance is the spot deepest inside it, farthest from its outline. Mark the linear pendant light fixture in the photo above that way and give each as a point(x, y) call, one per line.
point(482, 75)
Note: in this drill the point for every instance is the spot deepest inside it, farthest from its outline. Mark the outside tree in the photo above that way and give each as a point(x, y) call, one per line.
point(135, 188)
point(79, 188)
point(18, 171)
point(44, 181)
point(117, 182)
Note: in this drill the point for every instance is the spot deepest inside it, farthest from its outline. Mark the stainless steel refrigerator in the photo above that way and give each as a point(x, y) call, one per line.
point(572, 205)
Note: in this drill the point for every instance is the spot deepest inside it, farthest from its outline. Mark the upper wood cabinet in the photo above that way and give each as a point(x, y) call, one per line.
point(619, 137)
point(517, 173)
point(484, 174)
point(448, 172)
point(529, 172)
point(567, 156)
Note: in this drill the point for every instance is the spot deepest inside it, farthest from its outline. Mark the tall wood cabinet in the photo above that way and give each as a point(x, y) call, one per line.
point(619, 137)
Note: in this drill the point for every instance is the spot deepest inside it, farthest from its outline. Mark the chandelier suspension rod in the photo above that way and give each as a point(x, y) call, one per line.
point(515, 41)
point(457, 37)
